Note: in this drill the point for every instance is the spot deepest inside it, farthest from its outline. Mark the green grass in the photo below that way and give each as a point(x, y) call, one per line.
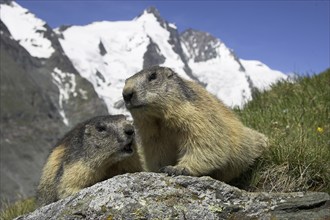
point(11, 211)
point(295, 116)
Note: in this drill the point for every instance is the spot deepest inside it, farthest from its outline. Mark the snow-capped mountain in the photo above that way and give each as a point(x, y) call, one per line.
point(27, 29)
point(109, 52)
point(56, 73)
point(217, 67)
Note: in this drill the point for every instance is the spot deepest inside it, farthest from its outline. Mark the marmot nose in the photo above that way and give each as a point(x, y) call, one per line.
point(129, 130)
point(127, 95)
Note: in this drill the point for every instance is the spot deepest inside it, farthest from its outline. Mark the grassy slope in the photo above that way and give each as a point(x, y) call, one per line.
point(296, 118)
point(11, 211)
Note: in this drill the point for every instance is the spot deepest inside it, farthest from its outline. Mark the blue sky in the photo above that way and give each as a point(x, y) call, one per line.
point(290, 36)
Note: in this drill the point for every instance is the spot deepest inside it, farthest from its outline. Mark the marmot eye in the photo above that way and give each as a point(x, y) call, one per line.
point(152, 76)
point(100, 127)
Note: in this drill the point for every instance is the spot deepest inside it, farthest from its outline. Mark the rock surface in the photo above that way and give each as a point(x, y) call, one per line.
point(157, 196)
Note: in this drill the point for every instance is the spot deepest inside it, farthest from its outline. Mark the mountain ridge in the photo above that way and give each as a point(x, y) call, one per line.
point(195, 55)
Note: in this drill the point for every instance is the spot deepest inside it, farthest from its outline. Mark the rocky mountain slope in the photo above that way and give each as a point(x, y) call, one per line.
point(42, 97)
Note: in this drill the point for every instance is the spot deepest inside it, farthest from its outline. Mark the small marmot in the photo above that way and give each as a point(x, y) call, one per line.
point(185, 130)
point(95, 150)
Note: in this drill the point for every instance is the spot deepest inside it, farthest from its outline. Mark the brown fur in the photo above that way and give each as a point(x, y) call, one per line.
point(49, 172)
point(186, 130)
point(86, 156)
point(78, 175)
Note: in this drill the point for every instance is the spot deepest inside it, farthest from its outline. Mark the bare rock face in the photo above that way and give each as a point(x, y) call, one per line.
point(157, 196)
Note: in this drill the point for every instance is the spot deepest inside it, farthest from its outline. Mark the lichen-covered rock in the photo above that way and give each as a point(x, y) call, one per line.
point(157, 196)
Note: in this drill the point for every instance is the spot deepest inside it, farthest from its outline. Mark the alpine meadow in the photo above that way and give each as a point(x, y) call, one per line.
point(295, 116)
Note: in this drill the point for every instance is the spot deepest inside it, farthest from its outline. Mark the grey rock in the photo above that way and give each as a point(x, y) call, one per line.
point(157, 196)
point(152, 56)
point(120, 104)
point(102, 49)
point(8, 2)
point(202, 46)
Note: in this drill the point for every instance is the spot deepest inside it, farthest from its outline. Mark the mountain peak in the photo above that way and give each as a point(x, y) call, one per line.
point(152, 10)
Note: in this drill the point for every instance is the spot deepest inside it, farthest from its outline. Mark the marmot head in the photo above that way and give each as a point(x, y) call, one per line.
point(153, 89)
point(108, 138)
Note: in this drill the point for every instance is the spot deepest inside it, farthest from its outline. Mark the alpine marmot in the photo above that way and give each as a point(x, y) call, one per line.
point(185, 130)
point(94, 150)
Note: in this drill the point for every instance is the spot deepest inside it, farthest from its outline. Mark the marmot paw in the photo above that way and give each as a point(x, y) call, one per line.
point(175, 171)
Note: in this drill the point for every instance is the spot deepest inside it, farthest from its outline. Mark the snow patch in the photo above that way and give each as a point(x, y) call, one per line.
point(172, 26)
point(26, 29)
point(261, 75)
point(66, 83)
point(223, 78)
point(83, 94)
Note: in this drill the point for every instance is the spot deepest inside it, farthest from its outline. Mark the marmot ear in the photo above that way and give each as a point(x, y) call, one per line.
point(88, 130)
point(100, 127)
point(169, 73)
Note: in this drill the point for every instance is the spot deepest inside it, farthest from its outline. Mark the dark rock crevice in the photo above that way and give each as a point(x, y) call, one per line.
point(102, 49)
point(153, 56)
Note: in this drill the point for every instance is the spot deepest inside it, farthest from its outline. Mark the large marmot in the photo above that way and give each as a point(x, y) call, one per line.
point(185, 130)
point(94, 150)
